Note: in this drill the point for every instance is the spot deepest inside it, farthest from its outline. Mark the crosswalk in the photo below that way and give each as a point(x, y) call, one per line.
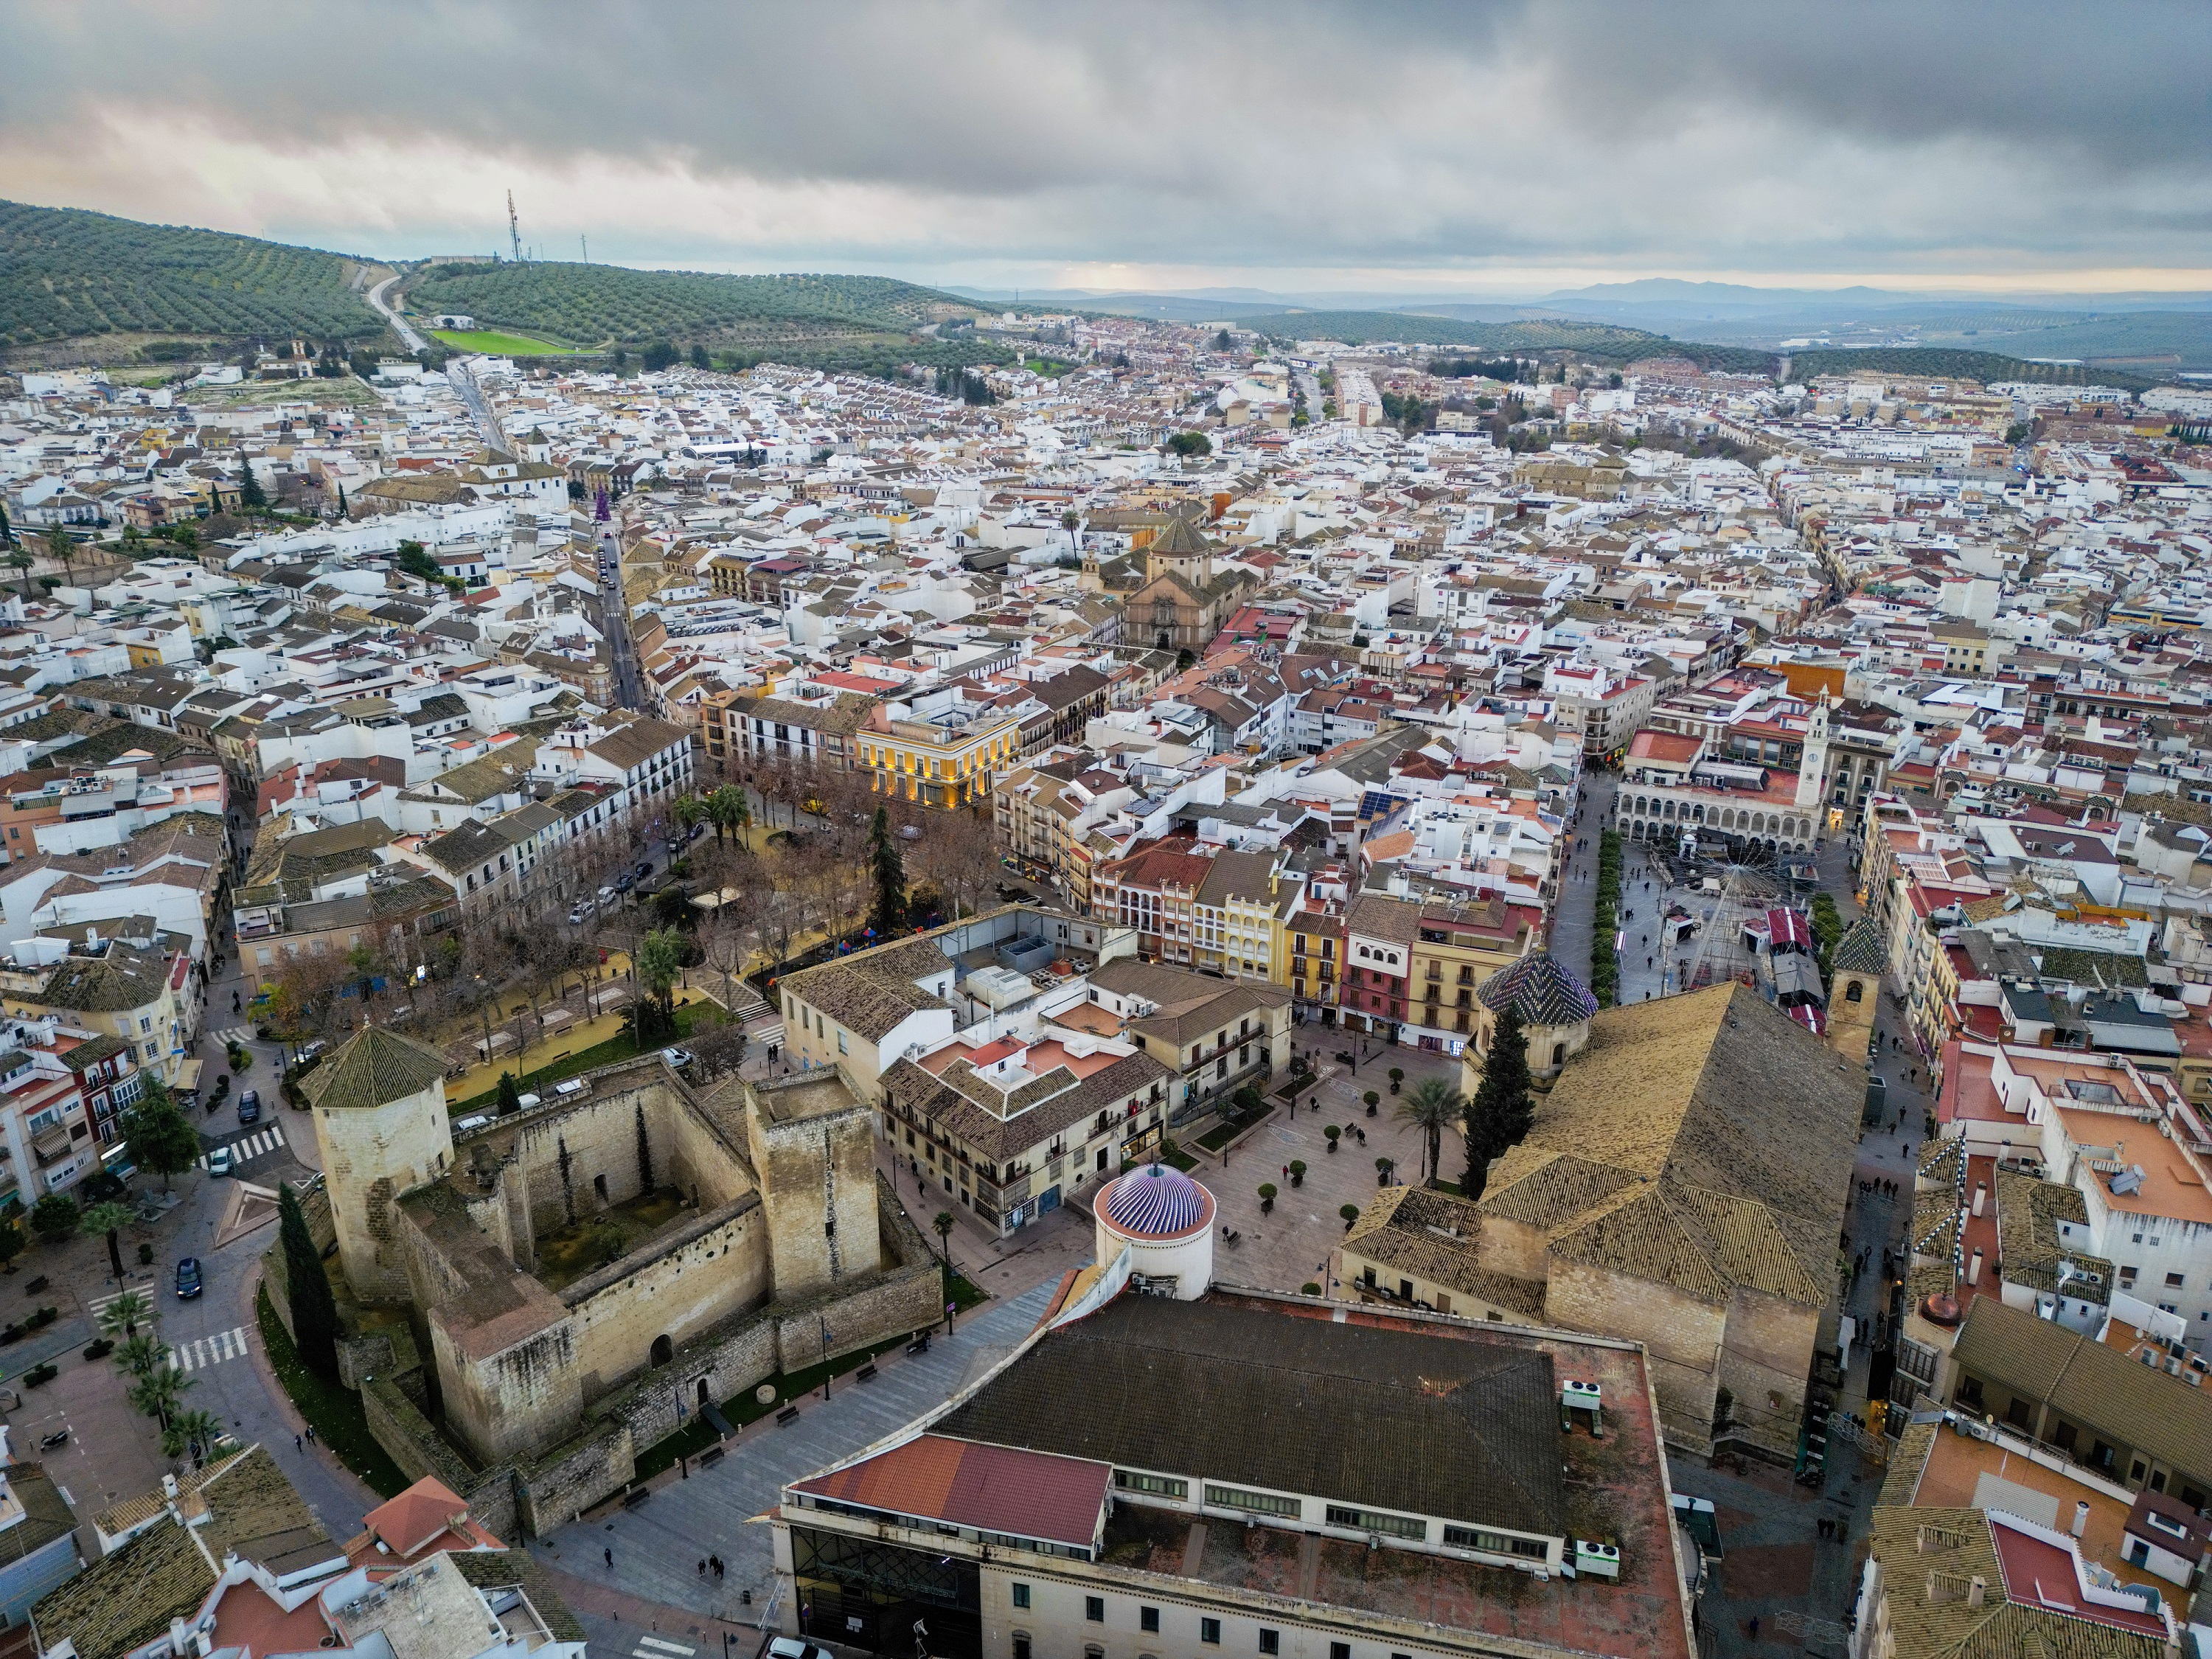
point(651, 1647)
point(97, 1307)
point(240, 1035)
point(205, 1351)
point(247, 1148)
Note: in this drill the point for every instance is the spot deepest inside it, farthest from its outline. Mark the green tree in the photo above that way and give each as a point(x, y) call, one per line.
point(107, 1219)
point(659, 963)
point(1430, 1106)
point(1190, 443)
point(60, 549)
point(137, 1356)
point(314, 1310)
point(192, 1433)
point(54, 1217)
point(160, 1139)
point(1499, 1117)
point(23, 562)
point(887, 870)
point(121, 1316)
point(251, 497)
point(1223, 342)
point(510, 1096)
point(728, 810)
point(160, 1393)
point(941, 1225)
point(699, 357)
point(7, 531)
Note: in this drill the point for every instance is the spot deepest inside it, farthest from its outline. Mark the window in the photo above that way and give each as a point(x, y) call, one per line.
point(841, 1039)
point(1021, 1595)
point(1148, 1619)
point(2173, 1282)
point(1261, 1502)
point(1094, 1609)
point(1021, 1645)
point(1131, 1480)
point(1340, 1651)
point(1209, 1632)
point(1493, 1543)
point(1394, 1526)
point(1271, 1641)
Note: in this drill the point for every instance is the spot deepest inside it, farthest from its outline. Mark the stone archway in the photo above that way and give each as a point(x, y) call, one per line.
point(662, 1351)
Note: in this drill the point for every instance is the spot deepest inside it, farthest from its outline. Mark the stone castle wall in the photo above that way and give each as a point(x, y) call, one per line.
point(715, 1267)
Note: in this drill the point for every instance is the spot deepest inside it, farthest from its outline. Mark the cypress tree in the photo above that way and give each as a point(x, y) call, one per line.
point(314, 1310)
point(510, 1097)
point(250, 496)
point(1499, 1116)
point(888, 869)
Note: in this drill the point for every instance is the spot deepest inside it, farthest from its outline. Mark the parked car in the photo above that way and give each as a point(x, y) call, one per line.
point(219, 1161)
point(582, 910)
point(249, 1108)
point(678, 1058)
point(790, 1647)
point(606, 896)
point(625, 881)
point(188, 1278)
point(644, 869)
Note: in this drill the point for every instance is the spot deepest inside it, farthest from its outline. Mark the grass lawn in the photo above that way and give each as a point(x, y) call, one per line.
point(1230, 1128)
point(498, 344)
point(333, 1408)
point(614, 1049)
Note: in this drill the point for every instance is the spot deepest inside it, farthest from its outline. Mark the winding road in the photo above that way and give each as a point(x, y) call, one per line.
point(408, 336)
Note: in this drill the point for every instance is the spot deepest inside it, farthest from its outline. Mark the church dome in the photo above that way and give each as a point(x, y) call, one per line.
point(1539, 990)
point(1155, 1201)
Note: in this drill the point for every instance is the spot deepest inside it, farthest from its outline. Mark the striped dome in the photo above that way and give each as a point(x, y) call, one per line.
point(1156, 1200)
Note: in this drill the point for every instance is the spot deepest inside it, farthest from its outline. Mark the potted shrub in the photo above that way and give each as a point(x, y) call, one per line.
point(1382, 1168)
point(1374, 1100)
point(1309, 1288)
point(1298, 1172)
point(1397, 1077)
point(1350, 1212)
point(1332, 1132)
point(1266, 1197)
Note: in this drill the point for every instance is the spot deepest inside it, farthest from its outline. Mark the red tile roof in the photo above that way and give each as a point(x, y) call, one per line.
point(993, 1488)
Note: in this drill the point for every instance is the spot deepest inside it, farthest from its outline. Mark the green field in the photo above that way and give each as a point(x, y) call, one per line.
point(499, 344)
point(1598, 341)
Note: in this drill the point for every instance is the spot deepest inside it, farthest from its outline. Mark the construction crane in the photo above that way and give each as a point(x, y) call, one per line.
point(513, 229)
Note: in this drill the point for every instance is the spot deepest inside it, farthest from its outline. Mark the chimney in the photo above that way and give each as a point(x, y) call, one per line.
point(1981, 1194)
point(1974, 1269)
point(1977, 1591)
point(168, 1486)
point(2081, 1518)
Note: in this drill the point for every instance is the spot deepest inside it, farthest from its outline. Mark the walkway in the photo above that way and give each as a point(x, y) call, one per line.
point(653, 1583)
point(1576, 911)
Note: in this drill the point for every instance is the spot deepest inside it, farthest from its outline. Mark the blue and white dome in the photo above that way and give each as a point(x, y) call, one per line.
point(1157, 1201)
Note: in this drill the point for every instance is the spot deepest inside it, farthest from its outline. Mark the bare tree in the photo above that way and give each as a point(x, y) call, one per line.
point(725, 945)
point(716, 1051)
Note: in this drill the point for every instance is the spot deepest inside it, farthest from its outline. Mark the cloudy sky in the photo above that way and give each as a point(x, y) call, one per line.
point(1471, 147)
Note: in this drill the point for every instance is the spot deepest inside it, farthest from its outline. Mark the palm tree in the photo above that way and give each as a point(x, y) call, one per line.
point(689, 810)
point(123, 1313)
point(192, 1432)
point(1431, 1106)
point(726, 811)
point(160, 1392)
point(943, 1227)
point(23, 562)
point(108, 1217)
point(143, 1354)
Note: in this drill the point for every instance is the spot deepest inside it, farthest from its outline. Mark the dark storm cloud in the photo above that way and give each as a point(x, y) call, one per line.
point(1425, 137)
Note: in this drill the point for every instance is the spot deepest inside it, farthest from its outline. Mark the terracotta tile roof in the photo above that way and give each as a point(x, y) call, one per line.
point(373, 1068)
point(995, 1488)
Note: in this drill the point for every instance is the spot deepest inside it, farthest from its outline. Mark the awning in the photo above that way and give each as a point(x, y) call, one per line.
point(188, 1076)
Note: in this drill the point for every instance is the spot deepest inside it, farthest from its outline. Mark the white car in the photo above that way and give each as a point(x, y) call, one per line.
point(790, 1647)
point(678, 1058)
point(218, 1161)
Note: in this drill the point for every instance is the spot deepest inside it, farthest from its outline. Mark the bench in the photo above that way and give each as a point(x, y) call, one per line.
point(866, 1373)
point(636, 1496)
point(709, 1457)
point(786, 1417)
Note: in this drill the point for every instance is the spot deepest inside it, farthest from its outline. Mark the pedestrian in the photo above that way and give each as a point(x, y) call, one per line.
point(609, 1554)
point(1754, 1627)
point(295, 1443)
point(703, 1569)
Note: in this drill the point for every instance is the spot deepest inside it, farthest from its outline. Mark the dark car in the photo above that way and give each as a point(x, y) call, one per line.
point(249, 1107)
point(188, 1278)
point(624, 882)
point(644, 869)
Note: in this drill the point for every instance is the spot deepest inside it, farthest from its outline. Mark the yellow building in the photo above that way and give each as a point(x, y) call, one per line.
point(938, 764)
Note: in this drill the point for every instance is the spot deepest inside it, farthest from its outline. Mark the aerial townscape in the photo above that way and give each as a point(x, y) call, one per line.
point(1398, 933)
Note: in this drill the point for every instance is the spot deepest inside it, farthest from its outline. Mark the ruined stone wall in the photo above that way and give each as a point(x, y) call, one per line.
point(561, 1486)
point(410, 1440)
point(701, 1275)
point(730, 1360)
point(369, 1157)
point(576, 1158)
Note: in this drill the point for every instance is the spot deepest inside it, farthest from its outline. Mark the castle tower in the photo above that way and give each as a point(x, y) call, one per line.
point(813, 1148)
point(1813, 765)
point(1854, 975)
point(380, 1107)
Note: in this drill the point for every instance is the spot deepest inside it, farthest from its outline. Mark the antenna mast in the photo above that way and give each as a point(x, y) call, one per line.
point(513, 229)
point(587, 249)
